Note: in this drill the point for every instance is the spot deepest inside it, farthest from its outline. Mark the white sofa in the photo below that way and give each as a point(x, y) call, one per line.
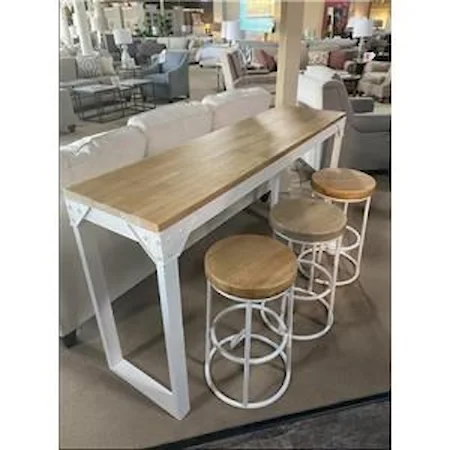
point(310, 92)
point(145, 135)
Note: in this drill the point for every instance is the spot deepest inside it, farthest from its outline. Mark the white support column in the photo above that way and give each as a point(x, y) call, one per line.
point(99, 21)
point(289, 47)
point(290, 19)
point(64, 31)
point(82, 25)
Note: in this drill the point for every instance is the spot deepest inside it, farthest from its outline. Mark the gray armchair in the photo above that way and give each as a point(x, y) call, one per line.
point(170, 78)
point(367, 138)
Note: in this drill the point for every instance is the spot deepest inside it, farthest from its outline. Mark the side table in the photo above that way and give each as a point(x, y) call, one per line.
point(351, 83)
point(139, 101)
point(359, 67)
point(134, 72)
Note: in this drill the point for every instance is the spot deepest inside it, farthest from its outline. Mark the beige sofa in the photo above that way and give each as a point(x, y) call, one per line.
point(235, 74)
point(145, 135)
point(376, 80)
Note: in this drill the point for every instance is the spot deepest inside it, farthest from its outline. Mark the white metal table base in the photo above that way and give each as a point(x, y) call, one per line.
point(164, 249)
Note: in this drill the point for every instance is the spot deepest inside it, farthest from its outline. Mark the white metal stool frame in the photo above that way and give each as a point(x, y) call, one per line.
point(308, 295)
point(359, 238)
point(212, 344)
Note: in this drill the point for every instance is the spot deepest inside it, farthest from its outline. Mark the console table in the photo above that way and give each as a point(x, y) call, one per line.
point(159, 201)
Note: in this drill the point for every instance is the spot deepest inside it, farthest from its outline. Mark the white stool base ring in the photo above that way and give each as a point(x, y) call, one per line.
point(282, 349)
point(250, 405)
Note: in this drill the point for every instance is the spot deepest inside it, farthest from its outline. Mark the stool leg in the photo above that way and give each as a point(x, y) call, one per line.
point(334, 279)
point(363, 234)
point(208, 321)
point(247, 348)
point(290, 330)
point(311, 270)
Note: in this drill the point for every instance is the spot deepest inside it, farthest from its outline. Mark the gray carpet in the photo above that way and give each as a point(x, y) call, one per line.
point(364, 426)
point(98, 410)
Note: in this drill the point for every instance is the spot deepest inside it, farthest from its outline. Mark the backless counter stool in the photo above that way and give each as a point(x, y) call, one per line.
point(346, 187)
point(250, 270)
point(307, 224)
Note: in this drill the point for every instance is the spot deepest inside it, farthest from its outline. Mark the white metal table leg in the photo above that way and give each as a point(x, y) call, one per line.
point(337, 144)
point(175, 401)
point(98, 291)
point(275, 190)
point(170, 301)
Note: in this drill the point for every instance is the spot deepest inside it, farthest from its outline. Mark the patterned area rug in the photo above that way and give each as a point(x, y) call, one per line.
point(356, 424)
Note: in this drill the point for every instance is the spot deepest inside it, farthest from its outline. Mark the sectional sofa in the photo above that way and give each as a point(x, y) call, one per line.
point(144, 136)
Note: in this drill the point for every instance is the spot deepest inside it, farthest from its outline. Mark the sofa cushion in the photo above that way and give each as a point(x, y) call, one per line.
point(107, 65)
point(172, 125)
point(94, 155)
point(89, 66)
point(233, 106)
point(264, 60)
point(337, 59)
point(146, 49)
point(320, 72)
point(375, 77)
point(318, 57)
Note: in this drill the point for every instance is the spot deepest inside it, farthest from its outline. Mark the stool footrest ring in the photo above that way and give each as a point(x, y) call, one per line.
point(250, 405)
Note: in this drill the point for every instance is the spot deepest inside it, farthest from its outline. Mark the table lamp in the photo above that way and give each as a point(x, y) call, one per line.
point(231, 30)
point(123, 38)
point(362, 28)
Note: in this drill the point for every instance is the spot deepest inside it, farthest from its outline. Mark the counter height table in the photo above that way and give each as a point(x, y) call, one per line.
point(160, 200)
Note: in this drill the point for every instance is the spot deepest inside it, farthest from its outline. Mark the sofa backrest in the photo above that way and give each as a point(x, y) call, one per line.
point(172, 125)
point(94, 155)
point(232, 69)
point(320, 72)
point(309, 91)
point(174, 59)
point(335, 97)
point(232, 106)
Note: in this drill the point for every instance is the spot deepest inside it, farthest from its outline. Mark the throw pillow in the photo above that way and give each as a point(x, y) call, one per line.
point(271, 64)
point(318, 57)
point(337, 59)
point(234, 73)
point(258, 61)
point(89, 66)
point(107, 64)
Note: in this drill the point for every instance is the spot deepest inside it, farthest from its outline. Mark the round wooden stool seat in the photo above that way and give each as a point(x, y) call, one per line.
point(345, 184)
point(250, 266)
point(308, 220)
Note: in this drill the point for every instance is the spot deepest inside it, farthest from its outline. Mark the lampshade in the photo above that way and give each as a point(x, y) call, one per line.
point(231, 30)
point(122, 36)
point(351, 22)
point(363, 27)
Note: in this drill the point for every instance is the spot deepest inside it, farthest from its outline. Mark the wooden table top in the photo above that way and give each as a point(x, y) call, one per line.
point(161, 190)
